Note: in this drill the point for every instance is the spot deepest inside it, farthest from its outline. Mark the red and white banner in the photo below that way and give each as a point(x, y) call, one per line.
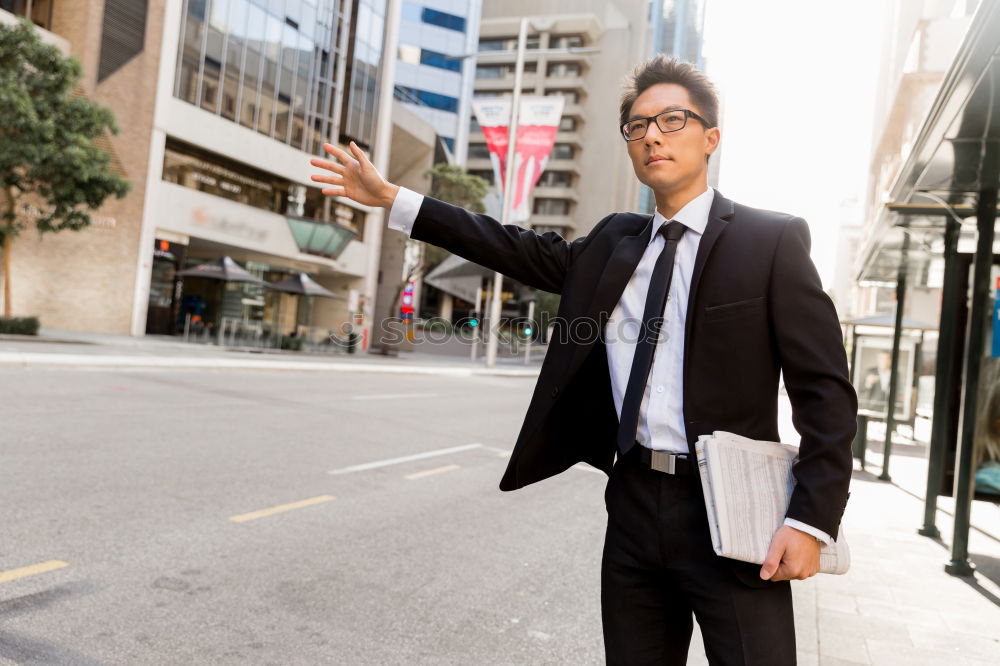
point(536, 134)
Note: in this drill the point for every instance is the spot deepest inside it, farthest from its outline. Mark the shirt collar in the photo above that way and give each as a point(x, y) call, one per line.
point(694, 214)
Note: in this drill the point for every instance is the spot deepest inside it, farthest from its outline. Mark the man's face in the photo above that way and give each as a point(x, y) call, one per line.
point(684, 150)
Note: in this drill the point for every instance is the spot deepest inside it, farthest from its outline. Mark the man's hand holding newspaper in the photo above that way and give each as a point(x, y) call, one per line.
point(792, 555)
point(747, 485)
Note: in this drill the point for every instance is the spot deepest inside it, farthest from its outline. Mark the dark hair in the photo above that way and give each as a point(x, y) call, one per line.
point(662, 68)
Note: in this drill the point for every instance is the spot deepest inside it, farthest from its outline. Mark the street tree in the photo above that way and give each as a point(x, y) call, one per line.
point(52, 172)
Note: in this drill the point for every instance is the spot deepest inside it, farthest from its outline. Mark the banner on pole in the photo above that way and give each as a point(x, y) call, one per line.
point(536, 134)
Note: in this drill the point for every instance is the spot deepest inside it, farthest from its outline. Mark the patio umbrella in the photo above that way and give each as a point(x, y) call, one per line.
point(303, 285)
point(223, 269)
point(300, 283)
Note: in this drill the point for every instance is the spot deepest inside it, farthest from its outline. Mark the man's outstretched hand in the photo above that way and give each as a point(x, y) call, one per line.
point(793, 555)
point(355, 177)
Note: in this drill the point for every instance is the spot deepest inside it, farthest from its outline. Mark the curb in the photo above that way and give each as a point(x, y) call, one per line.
point(37, 360)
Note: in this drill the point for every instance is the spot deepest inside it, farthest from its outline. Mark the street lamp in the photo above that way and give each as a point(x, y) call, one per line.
point(508, 190)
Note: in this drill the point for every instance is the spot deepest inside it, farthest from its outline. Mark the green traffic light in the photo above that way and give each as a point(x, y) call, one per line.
point(527, 331)
point(473, 322)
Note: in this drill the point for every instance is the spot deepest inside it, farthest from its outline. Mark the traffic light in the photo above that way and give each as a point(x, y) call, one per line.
point(527, 331)
point(474, 319)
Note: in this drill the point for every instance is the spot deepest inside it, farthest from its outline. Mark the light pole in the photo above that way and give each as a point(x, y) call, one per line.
point(509, 189)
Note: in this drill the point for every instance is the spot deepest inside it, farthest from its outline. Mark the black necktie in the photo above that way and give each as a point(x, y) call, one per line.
point(652, 322)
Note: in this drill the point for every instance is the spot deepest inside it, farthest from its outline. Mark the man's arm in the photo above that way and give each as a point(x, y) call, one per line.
point(537, 260)
point(814, 364)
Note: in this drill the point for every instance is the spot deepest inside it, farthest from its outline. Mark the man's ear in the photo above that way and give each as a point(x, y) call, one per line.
point(712, 138)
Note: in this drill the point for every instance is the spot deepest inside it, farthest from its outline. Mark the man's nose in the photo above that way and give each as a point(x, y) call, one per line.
point(653, 133)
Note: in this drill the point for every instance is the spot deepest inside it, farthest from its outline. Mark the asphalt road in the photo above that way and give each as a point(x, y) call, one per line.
point(244, 517)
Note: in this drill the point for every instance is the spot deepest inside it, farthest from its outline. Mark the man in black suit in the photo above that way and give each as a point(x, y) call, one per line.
point(727, 298)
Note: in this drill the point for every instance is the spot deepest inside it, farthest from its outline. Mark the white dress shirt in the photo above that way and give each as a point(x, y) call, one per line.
point(661, 413)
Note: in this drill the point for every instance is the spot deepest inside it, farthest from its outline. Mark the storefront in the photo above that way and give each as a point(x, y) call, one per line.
point(212, 208)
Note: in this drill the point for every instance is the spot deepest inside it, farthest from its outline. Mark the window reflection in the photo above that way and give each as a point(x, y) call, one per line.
point(271, 66)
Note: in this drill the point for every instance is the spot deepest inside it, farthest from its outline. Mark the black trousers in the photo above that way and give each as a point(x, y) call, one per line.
point(659, 567)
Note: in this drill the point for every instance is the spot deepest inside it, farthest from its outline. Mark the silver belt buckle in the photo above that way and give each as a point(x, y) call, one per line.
point(662, 461)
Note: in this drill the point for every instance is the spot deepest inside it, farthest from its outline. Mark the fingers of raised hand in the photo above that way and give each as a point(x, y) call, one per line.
point(339, 153)
point(328, 165)
point(333, 179)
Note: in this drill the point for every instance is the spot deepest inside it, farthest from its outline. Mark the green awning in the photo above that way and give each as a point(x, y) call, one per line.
point(326, 239)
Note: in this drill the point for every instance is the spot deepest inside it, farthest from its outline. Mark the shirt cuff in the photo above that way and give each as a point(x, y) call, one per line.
point(809, 529)
point(404, 209)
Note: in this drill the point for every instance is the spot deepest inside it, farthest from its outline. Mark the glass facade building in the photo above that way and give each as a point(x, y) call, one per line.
point(275, 66)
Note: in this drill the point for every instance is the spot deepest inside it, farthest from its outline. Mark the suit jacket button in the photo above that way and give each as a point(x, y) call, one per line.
point(555, 391)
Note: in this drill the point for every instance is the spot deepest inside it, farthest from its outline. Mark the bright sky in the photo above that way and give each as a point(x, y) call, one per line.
point(797, 80)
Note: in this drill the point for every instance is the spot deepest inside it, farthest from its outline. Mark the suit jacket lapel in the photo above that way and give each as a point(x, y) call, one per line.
point(615, 275)
point(718, 218)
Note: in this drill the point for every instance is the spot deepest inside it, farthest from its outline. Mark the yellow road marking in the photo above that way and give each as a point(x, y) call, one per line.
point(31, 570)
point(253, 515)
point(436, 470)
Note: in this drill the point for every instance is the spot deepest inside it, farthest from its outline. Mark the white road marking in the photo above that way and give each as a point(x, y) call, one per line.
point(402, 459)
point(429, 472)
point(392, 396)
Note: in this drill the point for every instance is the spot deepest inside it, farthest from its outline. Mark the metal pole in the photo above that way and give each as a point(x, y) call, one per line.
point(479, 314)
point(509, 188)
point(986, 214)
point(897, 331)
point(943, 385)
point(531, 323)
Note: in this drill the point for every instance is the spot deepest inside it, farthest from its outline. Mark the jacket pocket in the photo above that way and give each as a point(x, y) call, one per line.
point(736, 308)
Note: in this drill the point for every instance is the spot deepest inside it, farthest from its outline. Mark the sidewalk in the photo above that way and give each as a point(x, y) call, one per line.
point(896, 605)
point(55, 348)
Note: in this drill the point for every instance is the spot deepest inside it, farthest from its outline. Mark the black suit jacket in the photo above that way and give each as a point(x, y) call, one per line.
point(756, 307)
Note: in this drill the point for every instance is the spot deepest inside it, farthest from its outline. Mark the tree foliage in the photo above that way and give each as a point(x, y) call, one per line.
point(453, 184)
point(50, 164)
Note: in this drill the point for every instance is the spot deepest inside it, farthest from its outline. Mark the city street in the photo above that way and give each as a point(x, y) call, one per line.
point(242, 516)
point(141, 482)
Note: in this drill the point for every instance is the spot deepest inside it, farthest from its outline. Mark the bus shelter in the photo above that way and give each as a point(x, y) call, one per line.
point(941, 214)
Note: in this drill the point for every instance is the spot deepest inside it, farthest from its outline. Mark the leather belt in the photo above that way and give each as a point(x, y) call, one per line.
point(668, 463)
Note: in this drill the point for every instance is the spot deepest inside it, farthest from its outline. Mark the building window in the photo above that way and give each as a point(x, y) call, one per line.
point(562, 69)
point(571, 96)
point(543, 206)
point(440, 60)
point(122, 34)
point(555, 179)
point(485, 174)
point(205, 171)
point(442, 19)
point(567, 124)
point(507, 43)
point(500, 71)
point(497, 93)
point(478, 151)
point(409, 53)
point(565, 41)
point(546, 228)
point(272, 66)
point(39, 11)
point(562, 151)
point(433, 100)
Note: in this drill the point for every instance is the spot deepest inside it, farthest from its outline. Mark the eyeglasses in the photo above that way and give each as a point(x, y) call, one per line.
point(672, 120)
